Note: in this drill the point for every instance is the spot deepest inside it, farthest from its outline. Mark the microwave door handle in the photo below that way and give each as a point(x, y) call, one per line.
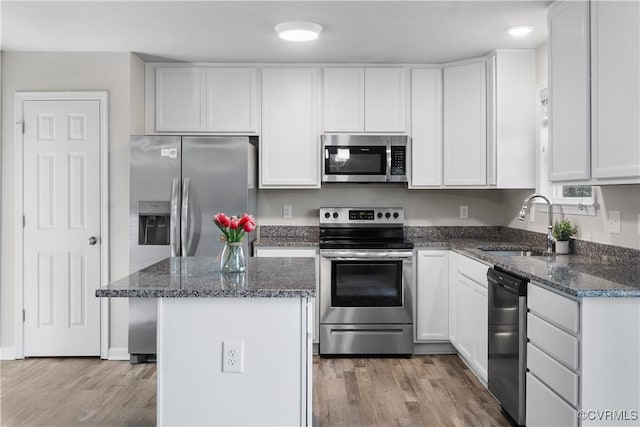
point(173, 220)
point(388, 163)
point(185, 216)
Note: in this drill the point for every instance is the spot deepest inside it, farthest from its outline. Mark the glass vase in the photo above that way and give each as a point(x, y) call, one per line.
point(232, 258)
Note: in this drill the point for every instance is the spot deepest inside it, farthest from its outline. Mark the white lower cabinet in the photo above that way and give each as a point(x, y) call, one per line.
point(582, 355)
point(468, 293)
point(301, 252)
point(432, 296)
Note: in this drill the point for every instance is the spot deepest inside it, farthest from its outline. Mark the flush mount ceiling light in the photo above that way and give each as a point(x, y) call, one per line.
point(519, 30)
point(298, 31)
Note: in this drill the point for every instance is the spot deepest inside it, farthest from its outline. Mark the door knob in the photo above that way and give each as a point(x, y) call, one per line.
point(93, 240)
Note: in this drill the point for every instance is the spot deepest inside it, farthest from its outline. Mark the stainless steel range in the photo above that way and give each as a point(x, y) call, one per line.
point(366, 282)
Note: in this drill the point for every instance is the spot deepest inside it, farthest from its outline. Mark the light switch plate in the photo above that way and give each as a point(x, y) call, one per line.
point(614, 222)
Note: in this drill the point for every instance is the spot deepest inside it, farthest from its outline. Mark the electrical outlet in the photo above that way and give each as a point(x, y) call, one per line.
point(532, 214)
point(287, 211)
point(614, 222)
point(232, 356)
point(464, 212)
point(638, 224)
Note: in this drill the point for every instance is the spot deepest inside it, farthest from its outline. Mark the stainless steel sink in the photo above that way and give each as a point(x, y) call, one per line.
point(511, 252)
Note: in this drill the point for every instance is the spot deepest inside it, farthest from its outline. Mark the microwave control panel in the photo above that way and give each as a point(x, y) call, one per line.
point(398, 160)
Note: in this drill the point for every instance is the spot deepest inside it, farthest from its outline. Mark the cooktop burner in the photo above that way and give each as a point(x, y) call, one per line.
point(362, 228)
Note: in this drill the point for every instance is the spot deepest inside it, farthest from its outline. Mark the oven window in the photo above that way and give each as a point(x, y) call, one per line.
point(356, 160)
point(366, 284)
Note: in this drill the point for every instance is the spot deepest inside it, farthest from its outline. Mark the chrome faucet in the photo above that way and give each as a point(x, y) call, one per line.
point(523, 214)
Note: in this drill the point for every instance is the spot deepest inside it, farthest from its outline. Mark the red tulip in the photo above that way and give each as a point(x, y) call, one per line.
point(249, 227)
point(233, 224)
point(222, 219)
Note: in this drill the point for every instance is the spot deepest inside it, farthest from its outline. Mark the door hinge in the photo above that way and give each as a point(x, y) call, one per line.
point(24, 316)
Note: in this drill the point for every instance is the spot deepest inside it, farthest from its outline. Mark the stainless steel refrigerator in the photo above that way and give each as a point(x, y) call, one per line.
point(177, 184)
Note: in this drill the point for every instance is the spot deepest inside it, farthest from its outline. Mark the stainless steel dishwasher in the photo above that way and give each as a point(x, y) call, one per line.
point(508, 341)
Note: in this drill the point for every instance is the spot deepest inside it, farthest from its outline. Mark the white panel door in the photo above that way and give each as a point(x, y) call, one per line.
point(569, 144)
point(62, 214)
point(466, 317)
point(432, 296)
point(344, 99)
point(385, 98)
point(232, 100)
point(481, 330)
point(289, 147)
point(465, 125)
point(426, 128)
point(615, 89)
point(180, 99)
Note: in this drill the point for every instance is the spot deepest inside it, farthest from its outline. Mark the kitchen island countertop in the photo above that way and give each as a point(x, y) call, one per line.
point(200, 277)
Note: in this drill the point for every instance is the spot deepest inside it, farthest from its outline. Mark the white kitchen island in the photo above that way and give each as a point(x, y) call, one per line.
point(209, 324)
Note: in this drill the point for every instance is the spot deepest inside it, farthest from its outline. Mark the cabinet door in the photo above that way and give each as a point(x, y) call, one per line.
point(466, 318)
point(426, 128)
point(180, 99)
point(545, 408)
point(299, 253)
point(344, 99)
point(232, 103)
point(465, 125)
point(569, 141)
point(432, 296)
point(615, 89)
point(454, 299)
point(481, 330)
point(385, 96)
point(289, 150)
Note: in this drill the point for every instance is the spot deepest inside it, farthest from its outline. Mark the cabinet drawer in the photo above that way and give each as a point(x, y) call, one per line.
point(474, 270)
point(561, 380)
point(545, 408)
point(554, 341)
point(556, 308)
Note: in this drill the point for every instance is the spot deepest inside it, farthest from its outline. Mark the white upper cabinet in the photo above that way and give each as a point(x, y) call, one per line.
point(180, 99)
point(594, 92)
point(289, 147)
point(426, 128)
point(465, 124)
point(365, 100)
point(184, 99)
point(232, 103)
point(615, 89)
point(344, 99)
point(569, 155)
point(511, 119)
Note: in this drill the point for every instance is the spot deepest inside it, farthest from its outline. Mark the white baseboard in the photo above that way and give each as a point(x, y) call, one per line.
point(7, 353)
point(118, 353)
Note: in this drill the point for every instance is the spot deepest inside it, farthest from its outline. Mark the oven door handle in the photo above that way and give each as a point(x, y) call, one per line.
point(356, 256)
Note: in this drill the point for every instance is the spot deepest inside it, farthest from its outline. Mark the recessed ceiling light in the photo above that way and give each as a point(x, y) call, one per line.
point(519, 30)
point(298, 31)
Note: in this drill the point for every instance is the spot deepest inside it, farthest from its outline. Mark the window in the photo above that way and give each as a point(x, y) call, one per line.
point(574, 198)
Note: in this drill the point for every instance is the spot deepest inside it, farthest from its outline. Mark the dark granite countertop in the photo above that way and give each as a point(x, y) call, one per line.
point(200, 277)
point(285, 242)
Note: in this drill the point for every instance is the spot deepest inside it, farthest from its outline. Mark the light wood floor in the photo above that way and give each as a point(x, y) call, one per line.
point(421, 391)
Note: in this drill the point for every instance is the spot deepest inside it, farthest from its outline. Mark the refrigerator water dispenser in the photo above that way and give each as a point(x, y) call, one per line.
point(154, 222)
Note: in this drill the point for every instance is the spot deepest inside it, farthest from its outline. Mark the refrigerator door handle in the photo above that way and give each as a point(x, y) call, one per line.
point(173, 231)
point(185, 216)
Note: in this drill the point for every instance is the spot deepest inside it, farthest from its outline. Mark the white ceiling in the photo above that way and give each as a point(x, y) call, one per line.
point(242, 31)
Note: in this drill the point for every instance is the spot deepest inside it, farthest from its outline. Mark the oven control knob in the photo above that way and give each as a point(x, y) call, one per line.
point(387, 215)
point(396, 215)
point(335, 215)
point(327, 215)
point(379, 214)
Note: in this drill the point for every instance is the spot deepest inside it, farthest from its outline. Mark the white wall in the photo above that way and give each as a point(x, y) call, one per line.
point(622, 198)
point(422, 207)
point(68, 72)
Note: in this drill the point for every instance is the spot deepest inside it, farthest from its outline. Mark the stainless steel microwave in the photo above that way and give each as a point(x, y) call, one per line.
point(364, 158)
